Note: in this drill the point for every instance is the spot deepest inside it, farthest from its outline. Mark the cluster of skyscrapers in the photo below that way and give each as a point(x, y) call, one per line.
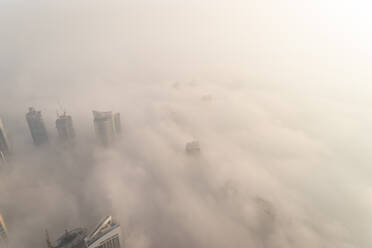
point(106, 124)
point(105, 235)
point(107, 128)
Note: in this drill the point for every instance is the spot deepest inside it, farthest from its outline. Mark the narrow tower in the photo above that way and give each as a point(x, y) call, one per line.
point(37, 128)
point(117, 124)
point(65, 128)
point(106, 126)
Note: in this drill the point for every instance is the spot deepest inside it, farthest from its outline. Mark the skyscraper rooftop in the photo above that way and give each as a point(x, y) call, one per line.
point(65, 127)
point(105, 235)
point(107, 126)
point(37, 128)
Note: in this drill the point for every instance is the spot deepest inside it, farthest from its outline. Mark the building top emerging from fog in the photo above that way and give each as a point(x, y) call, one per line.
point(37, 128)
point(65, 127)
point(105, 235)
point(192, 148)
point(107, 126)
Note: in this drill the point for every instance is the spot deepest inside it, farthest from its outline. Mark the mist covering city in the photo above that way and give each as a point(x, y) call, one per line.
point(274, 94)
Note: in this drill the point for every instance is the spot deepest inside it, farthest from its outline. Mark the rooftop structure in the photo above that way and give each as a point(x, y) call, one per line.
point(192, 148)
point(3, 233)
point(37, 128)
point(107, 126)
point(105, 235)
point(65, 127)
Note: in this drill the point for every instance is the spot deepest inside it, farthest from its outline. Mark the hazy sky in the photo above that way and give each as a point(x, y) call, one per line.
point(277, 93)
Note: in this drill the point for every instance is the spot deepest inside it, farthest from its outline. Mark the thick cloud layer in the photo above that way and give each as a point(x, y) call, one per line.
point(281, 114)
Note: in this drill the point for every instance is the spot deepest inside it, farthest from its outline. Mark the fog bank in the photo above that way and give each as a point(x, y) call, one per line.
point(278, 100)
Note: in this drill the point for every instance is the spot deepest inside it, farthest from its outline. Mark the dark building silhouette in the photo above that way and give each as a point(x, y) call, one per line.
point(192, 148)
point(37, 128)
point(65, 128)
point(70, 239)
point(107, 126)
point(117, 124)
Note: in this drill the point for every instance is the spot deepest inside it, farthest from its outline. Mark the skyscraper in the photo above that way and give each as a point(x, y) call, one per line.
point(117, 124)
point(105, 235)
point(37, 128)
point(106, 126)
point(3, 234)
point(65, 128)
point(4, 143)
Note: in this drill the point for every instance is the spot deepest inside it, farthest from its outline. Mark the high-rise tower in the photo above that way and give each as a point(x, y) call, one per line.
point(3, 234)
point(106, 126)
point(4, 143)
point(117, 124)
point(105, 235)
point(65, 128)
point(37, 128)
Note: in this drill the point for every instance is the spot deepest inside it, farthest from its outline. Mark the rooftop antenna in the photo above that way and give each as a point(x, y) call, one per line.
point(61, 108)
